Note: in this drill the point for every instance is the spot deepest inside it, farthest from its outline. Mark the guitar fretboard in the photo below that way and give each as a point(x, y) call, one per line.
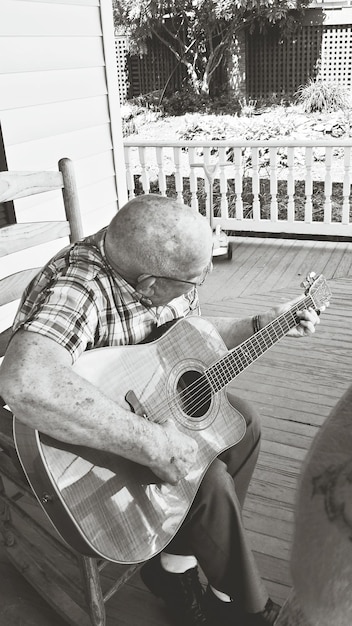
point(235, 361)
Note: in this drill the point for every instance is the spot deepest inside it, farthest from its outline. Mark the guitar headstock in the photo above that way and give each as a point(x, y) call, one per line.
point(317, 288)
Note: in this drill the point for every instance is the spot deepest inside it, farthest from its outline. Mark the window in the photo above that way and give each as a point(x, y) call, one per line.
point(7, 211)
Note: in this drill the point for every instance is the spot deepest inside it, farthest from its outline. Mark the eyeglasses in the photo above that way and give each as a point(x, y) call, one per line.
point(197, 283)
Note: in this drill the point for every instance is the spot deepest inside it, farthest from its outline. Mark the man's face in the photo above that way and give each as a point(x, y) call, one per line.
point(163, 289)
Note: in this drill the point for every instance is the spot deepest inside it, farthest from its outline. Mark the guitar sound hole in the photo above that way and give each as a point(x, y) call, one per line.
point(194, 393)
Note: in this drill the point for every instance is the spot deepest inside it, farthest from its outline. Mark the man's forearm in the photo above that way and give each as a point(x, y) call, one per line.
point(49, 396)
point(40, 386)
point(233, 331)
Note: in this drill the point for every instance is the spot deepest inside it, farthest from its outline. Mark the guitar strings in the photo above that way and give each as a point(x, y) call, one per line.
point(202, 390)
point(198, 385)
point(270, 332)
point(203, 383)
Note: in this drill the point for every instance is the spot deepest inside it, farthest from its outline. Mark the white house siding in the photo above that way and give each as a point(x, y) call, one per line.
point(59, 98)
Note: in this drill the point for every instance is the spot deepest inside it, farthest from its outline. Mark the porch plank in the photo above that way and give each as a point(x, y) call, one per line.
point(294, 386)
point(265, 265)
point(286, 262)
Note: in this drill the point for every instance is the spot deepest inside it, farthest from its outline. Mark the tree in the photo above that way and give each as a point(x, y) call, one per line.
point(198, 32)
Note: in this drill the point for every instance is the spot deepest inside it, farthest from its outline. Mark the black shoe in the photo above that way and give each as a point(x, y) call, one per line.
point(267, 617)
point(221, 613)
point(182, 593)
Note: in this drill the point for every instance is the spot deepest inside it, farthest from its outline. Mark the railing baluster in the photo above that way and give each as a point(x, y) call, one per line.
point(161, 173)
point(209, 190)
point(178, 174)
point(129, 173)
point(308, 207)
point(193, 178)
point(346, 186)
point(327, 186)
point(255, 184)
point(273, 184)
point(144, 175)
point(238, 182)
point(224, 165)
point(290, 185)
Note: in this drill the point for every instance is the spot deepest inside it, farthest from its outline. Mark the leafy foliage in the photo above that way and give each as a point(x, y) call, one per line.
point(200, 32)
point(266, 126)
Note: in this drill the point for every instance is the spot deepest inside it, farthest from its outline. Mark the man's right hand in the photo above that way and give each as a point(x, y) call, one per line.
point(177, 454)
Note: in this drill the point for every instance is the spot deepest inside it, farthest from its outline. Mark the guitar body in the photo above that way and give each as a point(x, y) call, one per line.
point(110, 507)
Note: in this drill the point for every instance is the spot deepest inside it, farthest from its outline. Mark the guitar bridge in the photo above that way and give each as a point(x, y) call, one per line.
point(135, 404)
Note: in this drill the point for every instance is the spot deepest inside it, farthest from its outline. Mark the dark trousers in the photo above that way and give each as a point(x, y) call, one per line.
point(213, 529)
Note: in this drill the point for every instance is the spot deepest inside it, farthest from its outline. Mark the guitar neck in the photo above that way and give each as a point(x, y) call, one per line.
point(238, 359)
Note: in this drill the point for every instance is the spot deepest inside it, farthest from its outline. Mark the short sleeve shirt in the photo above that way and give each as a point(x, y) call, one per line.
point(80, 302)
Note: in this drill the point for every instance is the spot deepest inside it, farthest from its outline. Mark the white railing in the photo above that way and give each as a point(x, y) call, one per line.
point(275, 186)
point(329, 4)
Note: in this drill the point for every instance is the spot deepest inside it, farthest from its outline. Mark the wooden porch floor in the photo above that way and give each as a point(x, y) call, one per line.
point(294, 386)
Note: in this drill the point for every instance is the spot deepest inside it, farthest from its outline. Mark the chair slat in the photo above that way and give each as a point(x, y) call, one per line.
point(15, 185)
point(22, 236)
point(12, 287)
point(71, 199)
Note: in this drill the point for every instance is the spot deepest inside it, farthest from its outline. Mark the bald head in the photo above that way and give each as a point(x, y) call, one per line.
point(157, 235)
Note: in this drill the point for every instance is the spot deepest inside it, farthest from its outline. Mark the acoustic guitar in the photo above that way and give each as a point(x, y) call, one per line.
point(107, 506)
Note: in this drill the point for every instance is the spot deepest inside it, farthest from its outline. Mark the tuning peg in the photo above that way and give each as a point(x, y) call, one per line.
point(310, 278)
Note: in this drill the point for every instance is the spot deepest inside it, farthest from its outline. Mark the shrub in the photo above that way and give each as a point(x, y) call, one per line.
point(185, 101)
point(139, 111)
point(323, 96)
point(188, 101)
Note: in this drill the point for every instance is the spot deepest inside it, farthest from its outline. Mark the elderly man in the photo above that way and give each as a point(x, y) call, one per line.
point(114, 288)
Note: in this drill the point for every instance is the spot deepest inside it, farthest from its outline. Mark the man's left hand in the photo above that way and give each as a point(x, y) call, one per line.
point(309, 318)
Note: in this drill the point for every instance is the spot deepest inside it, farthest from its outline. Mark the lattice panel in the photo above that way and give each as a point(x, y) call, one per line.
point(336, 55)
point(272, 66)
point(281, 67)
point(153, 70)
point(121, 63)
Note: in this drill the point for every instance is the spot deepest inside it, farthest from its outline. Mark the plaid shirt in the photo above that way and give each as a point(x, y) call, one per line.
point(80, 302)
